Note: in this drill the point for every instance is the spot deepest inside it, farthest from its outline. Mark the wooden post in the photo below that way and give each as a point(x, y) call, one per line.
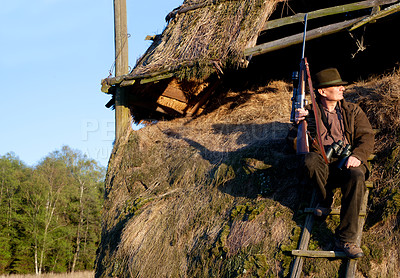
point(122, 112)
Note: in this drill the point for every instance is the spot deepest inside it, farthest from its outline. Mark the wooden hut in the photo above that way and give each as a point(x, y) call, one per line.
point(204, 39)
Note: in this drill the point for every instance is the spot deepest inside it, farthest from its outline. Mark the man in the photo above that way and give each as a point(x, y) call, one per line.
point(339, 121)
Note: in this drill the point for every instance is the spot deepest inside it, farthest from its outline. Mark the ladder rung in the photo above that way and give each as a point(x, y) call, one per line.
point(319, 254)
point(333, 212)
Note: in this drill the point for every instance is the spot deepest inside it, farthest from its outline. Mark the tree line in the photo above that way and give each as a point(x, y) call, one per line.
point(50, 213)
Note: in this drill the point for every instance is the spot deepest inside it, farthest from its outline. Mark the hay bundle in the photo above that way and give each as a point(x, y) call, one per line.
point(211, 37)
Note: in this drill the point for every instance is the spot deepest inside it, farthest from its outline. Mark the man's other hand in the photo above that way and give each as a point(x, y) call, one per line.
point(353, 162)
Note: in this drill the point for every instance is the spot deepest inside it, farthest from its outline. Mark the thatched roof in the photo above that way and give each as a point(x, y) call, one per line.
point(203, 37)
point(212, 36)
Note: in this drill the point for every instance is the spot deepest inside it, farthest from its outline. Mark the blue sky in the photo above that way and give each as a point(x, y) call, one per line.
point(54, 54)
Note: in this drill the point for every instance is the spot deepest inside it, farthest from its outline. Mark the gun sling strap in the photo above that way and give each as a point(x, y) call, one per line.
point(316, 112)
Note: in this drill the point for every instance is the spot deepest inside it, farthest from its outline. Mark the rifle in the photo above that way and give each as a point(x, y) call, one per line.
point(299, 101)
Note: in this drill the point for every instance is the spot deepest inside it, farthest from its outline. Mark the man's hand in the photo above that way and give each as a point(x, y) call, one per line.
point(353, 162)
point(300, 114)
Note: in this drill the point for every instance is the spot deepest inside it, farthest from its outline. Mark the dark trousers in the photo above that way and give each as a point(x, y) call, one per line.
point(352, 183)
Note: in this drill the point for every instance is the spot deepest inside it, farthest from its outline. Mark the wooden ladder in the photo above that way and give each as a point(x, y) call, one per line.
point(302, 252)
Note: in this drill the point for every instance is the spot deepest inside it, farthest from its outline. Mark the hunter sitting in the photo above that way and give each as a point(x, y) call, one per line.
point(348, 139)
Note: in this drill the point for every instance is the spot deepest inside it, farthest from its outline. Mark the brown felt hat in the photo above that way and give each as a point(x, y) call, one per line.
point(328, 78)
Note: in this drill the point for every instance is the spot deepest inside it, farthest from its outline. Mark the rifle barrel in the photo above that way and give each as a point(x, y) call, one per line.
point(304, 35)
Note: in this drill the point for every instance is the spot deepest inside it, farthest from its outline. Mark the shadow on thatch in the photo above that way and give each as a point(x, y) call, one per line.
point(257, 158)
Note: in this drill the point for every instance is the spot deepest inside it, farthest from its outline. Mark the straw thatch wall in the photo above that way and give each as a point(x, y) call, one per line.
point(207, 38)
point(218, 196)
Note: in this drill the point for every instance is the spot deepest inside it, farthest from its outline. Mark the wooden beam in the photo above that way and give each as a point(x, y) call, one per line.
point(156, 78)
point(209, 91)
point(175, 93)
point(121, 38)
point(304, 240)
point(153, 106)
point(319, 254)
point(352, 264)
point(122, 112)
point(388, 11)
point(172, 106)
point(111, 81)
point(324, 12)
point(127, 83)
point(298, 38)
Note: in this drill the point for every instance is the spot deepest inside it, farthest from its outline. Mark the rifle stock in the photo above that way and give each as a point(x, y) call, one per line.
point(302, 140)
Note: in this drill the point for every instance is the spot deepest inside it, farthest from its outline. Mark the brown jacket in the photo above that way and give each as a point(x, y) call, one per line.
point(357, 128)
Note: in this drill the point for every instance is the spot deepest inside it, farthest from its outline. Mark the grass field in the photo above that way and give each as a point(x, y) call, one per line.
point(84, 274)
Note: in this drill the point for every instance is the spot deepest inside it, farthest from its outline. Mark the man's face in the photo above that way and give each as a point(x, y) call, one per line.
point(334, 93)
